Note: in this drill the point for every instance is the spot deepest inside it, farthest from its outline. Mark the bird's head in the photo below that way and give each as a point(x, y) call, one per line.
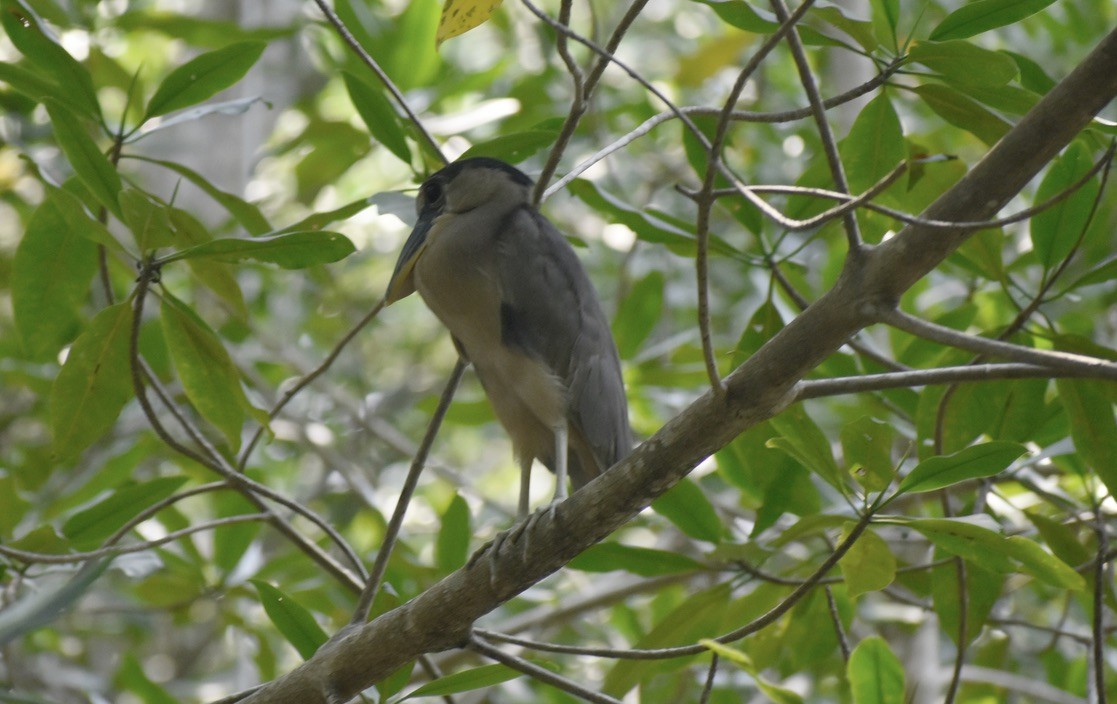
point(464, 185)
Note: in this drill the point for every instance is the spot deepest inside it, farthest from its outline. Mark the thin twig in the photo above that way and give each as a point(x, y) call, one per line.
point(708, 688)
point(385, 80)
point(372, 586)
point(736, 115)
point(308, 378)
point(1062, 361)
point(819, 388)
point(752, 627)
point(114, 550)
point(826, 135)
point(539, 673)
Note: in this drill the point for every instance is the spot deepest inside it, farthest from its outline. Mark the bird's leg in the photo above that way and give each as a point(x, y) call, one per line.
point(525, 486)
point(560, 461)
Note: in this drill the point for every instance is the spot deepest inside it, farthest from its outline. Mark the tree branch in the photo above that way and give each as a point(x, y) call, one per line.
point(442, 617)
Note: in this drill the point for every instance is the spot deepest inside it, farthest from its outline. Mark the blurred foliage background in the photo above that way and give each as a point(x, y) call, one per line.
point(111, 151)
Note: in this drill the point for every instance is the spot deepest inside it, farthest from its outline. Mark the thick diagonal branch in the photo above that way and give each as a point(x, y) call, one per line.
point(441, 617)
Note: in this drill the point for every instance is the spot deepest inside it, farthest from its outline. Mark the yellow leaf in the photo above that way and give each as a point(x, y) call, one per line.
point(460, 16)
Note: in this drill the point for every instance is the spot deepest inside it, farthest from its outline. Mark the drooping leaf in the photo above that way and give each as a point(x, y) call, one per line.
point(25, 29)
point(94, 383)
point(1055, 230)
point(51, 274)
point(202, 77)
point(454, 533)
point(638, 313)
point(293, 250)
point(876, 675)
point(801, 438)
point(90, 165)
point(130, 677)
point(292, 619)
point(465, 681)
point(1092, 426)
point(208, 375)
point(687, 507)
point(646, 562)
point(378, 115)
point(232, 541)
point(982, 15)
point(87, 529)
point(875, 144)
point(974, 462)
point(146, 218)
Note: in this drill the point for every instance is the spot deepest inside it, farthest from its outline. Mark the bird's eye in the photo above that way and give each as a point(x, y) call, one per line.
point(432, 193)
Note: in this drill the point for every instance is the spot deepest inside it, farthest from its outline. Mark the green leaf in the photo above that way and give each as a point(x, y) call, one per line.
point(94, 383)
point(198, 31)
point(961, 62)
point(983, 15)
point(291, 618)
point(51, 273)
point(646, 562)
point(293, 250)
point(132, 678)
point(245, 213)
point(867, 449)
point(638, 313)
point(232, 541)
point(147, 219)
point(1057, 229)
point(698, 616)
point(1092, 426)
point(89, 528)
point(777, 694)
point(202, 77)
point(412, 58)
point(801, 438)
point(25, 30)
point(687, 507)
point(218, 276)
point(465, 681)
point(875, 145)
point(452, 546)
point(974, 462)
point(90, 165)
point(209, 377)
point(1038, 562)
point(990, 550)
point(514, 147)
point(379, 116)
point(39, 89)
point(868, 565)
point(982, 589)
point(963, 112)
point(885, 18)
point(12, 507)
point(875, 673)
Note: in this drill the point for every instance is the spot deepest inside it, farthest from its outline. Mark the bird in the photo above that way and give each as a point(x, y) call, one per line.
point(521, 309)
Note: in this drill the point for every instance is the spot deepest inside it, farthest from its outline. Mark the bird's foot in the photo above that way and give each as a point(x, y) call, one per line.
point(518, 537)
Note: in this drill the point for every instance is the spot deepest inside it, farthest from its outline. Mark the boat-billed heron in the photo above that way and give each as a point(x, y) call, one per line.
point(522, 310)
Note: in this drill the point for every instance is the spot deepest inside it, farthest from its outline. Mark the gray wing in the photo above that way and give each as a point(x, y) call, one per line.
point(549, 309)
